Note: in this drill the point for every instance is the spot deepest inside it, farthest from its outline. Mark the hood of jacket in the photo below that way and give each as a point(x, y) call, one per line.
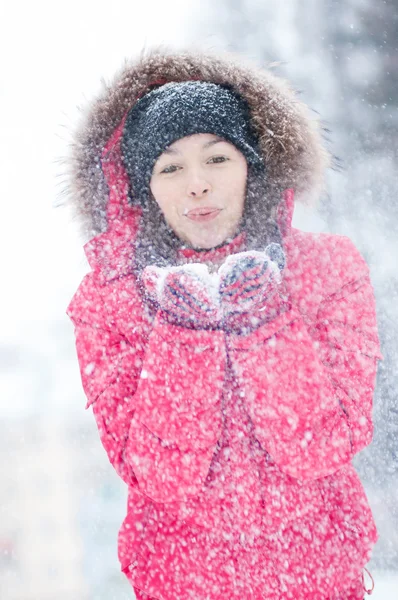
point(290, 137)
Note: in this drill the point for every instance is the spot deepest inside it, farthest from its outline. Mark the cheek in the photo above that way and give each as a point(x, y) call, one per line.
point(164, 203)
point(237, 194)
point(167, 202)
point(161, 194)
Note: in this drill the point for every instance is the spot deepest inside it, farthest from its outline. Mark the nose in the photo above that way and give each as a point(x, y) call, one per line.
point(197, 186)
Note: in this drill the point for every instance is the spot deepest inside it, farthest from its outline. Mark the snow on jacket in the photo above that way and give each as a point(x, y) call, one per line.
point(236, 449)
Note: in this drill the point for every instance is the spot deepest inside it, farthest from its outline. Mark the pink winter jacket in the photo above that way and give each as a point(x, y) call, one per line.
point(236, 449)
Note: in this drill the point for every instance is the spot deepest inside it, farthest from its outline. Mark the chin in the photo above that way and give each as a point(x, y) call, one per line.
point(207, 239)
point(206, 244)
point(209, 235)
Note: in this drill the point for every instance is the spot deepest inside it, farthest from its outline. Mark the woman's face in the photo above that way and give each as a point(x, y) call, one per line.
point(199, 182)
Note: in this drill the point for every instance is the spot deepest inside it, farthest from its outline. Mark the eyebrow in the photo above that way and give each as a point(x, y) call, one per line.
point(207, 145)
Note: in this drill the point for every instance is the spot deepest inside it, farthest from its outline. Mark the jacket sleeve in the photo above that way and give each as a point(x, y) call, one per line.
point(309, 386)
point(156, 402)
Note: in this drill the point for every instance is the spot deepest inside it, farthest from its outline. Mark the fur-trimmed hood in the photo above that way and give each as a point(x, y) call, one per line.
point(290, 137)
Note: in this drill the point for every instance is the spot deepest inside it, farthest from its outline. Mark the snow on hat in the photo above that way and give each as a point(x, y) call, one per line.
point(176, 110)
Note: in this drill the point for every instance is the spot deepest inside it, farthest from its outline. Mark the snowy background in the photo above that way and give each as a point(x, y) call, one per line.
point(60, 503)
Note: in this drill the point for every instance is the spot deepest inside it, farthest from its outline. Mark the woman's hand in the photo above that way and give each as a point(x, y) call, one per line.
point(187, 295)
point(242, 295)
point(250, 287)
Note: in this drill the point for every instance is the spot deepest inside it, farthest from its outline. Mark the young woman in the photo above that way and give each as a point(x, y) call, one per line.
point(229, 358)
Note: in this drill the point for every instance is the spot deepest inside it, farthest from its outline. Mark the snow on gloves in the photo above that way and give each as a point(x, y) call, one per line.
point(244, 293)
point(187, 295)
point(250, 288)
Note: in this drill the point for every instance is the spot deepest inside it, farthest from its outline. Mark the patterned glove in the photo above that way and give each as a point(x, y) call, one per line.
point(250, 286)
point(187, 295)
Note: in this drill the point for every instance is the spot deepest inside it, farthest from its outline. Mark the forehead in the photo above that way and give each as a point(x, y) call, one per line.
point(197, 141)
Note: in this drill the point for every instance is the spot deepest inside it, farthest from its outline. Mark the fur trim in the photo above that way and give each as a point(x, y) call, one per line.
point(290, 138)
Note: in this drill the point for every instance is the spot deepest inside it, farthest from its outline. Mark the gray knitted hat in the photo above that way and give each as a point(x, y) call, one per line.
point(176, 110)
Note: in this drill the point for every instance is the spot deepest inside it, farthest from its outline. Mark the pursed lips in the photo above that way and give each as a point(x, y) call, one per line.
point(203, 213)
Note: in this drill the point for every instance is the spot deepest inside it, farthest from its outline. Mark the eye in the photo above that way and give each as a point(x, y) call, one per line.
point(218, 159)
point(170, 169)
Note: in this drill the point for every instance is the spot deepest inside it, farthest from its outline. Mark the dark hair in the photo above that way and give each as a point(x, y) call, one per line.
point(157, 244)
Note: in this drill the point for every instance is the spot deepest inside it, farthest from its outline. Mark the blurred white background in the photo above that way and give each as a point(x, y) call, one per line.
point(60, 502)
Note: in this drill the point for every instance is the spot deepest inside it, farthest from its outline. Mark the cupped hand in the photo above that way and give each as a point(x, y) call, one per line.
point(250, 285)
point(187, 295)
